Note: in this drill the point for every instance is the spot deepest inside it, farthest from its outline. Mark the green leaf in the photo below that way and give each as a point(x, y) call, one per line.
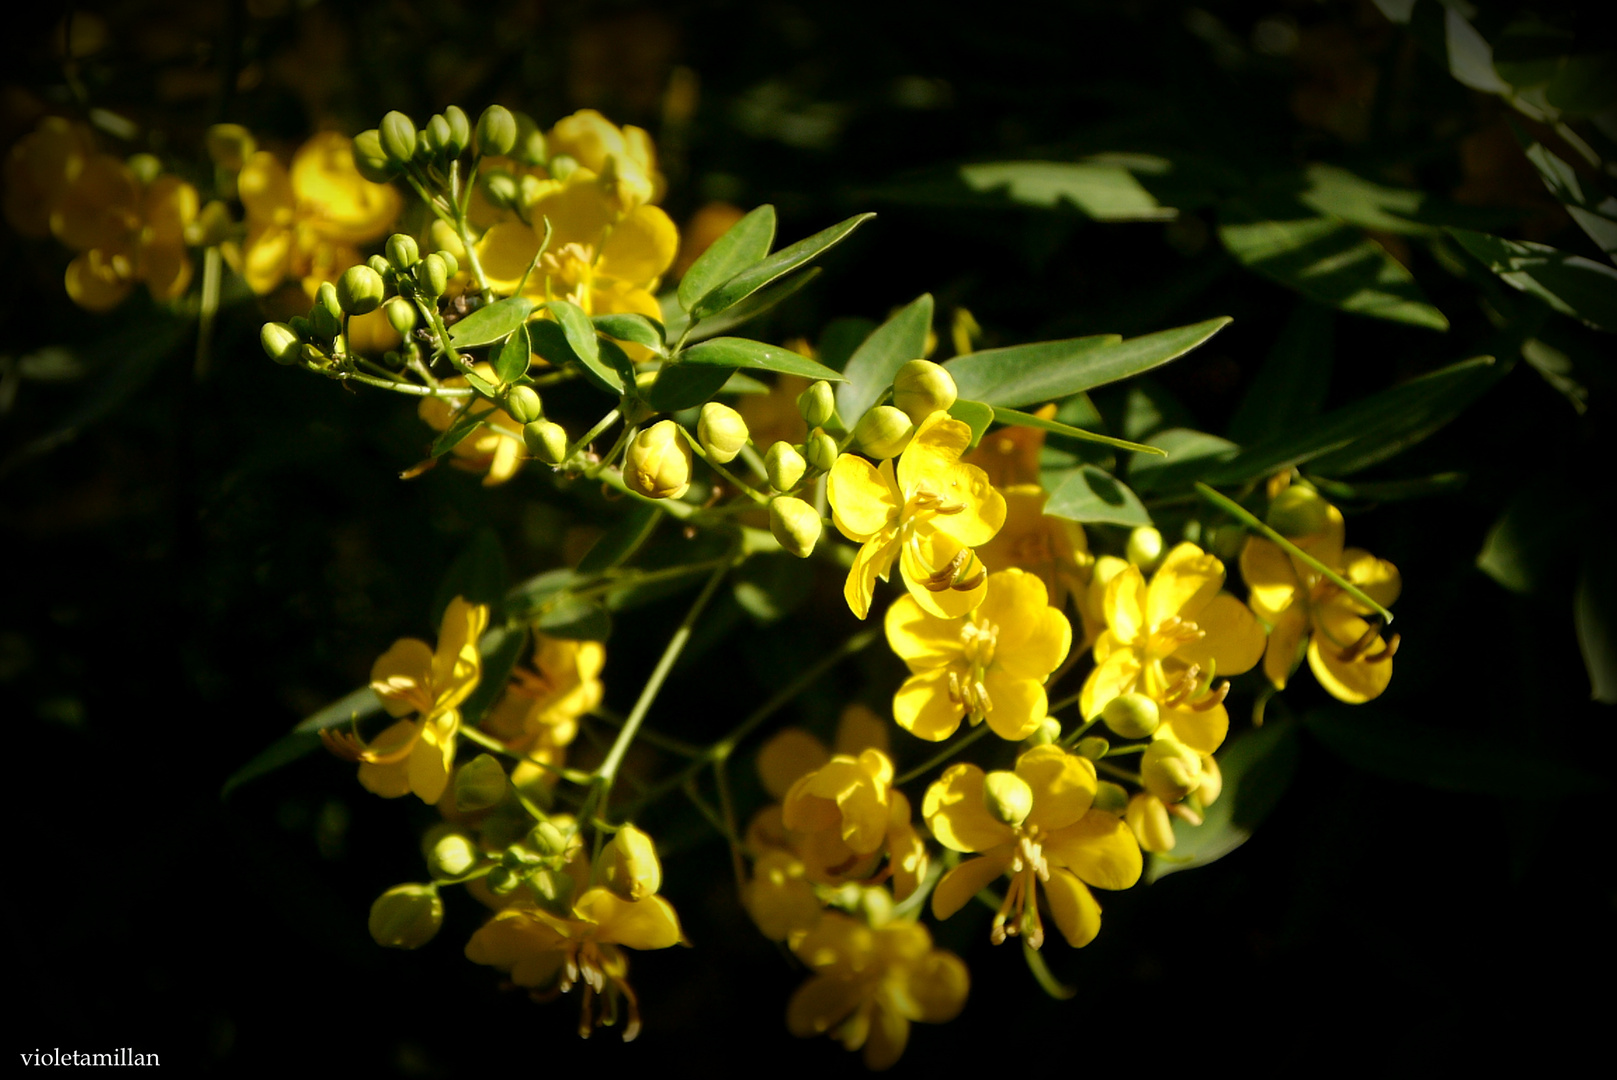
point(1014, 418)
point(581, 336)
point(619, 543)
point(1593, 209)
point(732, 352)
point(1257, 766)
point(533, 594)
point(840, 339)
point(613, 356)
point(1536, 537)
point(685, 386)
point(1291, 386)
point(495, 322)
point(1470, 55)
point(1104, 192)
point(1380, 491)
point(1336, 192)
point(775, 266)
point(753, 306)
point(478, 574)
point(631, 326)
point(575, 619)
point(305, 738)
point(501, 651)
point(1188, 456)
point(1371, 430)
point(1594, 603)
point(465, 423)
point(1571, 284)
point(743, 245)
point(975, 414)
point(1324, 259)
point(890, 346)
point(1093, 495)
point(551, 342)
point(771, 587)
point(1052, 370)
point(512, 362)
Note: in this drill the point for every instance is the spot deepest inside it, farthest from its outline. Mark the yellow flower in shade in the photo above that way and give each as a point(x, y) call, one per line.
point(306, 225)
point(496, 445)
point(841, 817)
point(1036, 824)
point(40, 168)
point(538, 714)
point(780, 897)
point(624, 157)
point(424, 688)
point(988, 665)
point(871, 982)
point(926, 515)
point(551, 954)
point(1168, 640)
point(1053, 548)
point(1345, 649)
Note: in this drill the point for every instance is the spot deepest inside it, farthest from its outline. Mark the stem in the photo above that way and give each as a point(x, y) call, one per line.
point(208, 309)
point(738, 484)
point(606, 421)
point(409, 388)
point(942, 756)
point(664, 742)
point(1121, 774)
point(727, 808)
point(534, 265)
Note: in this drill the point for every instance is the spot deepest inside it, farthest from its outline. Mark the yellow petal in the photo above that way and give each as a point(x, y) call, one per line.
point(1353, 681)
point(1377, 578)
point(1100, 849)
point(1281, 655)
point(1017, 706)
point(863, 499)
point(821, 1004)
point(401, 674)
point(1203, 730)
point(1270, 578)
point(956, 888)
point(1125, 606)
point(957, 815)
point(339, 203)
point(648, 923)
point(1076, 913)
point(94, 284)
point(640, 248)
point(579, 211)
point(923, 707)
point(1063, 786)
point(873, 560)
point(1042, 651)
point(1118, 673)
point(1187, 579)
point(1234, 640)
point(506, 251)
point(265, 190)
point(790, 755)
point(921, 640)
point(938, 985)
point(926, 555)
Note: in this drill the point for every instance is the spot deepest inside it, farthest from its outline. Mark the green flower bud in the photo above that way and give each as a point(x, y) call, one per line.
point(451, 263)
point(1144, 548)
point(795, 524)
point(438, 136)
point(452, 853)
point(1170, 770)
point(1048, 731)
point(1110, 797)
point(301, 327)
point(323, 325)
point(530, 188)
point(1298, 511)
point(784, 466)
point(371, 160)
point(1093, 747)
point(460, 131)
point(1226, 541)
point(406, 916)
point(1132, 716)
point(551, 888)
point(501, 189)
point(548, 840)
point(562, 166)
point(432, 275)
point(479, 784)
point(1008, 797)
point(312, 356)
point(281, 343)
point(922, 388)
point(397, 136)
point(1212, 785)
point(326, 297)
point(817, 404)
point(401, 315)
point(402, 251)
point(360, 290)
point(529, 147)
point(658, 462)
point(546, 441)
point(629, 865)
point(1148, 819)
point(502, 879)
point(820, 450)
point(230, 145)
point(383, 268)
point(496, 131)
point(883, 432)
point(522, 404)
point(721, 431)
point(146, 167)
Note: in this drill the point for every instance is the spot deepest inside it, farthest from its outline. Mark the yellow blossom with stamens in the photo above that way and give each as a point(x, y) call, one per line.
point(625, 155)
point(424, 688)
point(538, 714)
point(496, 444)
point(990, 664)
point(1168, 640)
point(1346, 651)
point(927, 515)
point(1053, 548)
point(840, 819)
point(1055, 839)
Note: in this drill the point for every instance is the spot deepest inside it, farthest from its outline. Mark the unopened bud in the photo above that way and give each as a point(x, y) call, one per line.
point(432, 275)
point(460, 130)
point(629, 865)
point(1008, 797)
point(922, 388)
point(401, 315)
point(402, 251)
point(529, 148)
point(281, 343)
point(820, 450)
point(397, 136)
point(1144, 548)
point(817, 404)
point(451, 263)
point(496, 131)
point(522, 404)
point(326, 297)
point(1147, 818)
point(1132, 716)
point(550, 887)
point(548, 840)
point(452, 854)
point(146, 167)
point(562, 166)
point(546, 441)
point(1298, 511)
point(1110, 797)
point(230, 145)
point(371, 160)
point(501, 189)
point(883, 432)
point(658, 463)
point(301, 327)
point(784, 466)
point(1093, 747)
point(379, 263)
point(323, 325)
point(312, 356)
point(437, 137)
point(360, 290)
point(479, 784)
point(795, 524)
point(1212, 785)
point(1048, 731)
point(721, 431)
point(406, 916)
point(502, 879)
point(1170, 770)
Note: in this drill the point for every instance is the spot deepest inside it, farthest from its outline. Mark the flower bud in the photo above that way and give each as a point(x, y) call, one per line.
point(323, 325)
point(1048, 731)
point(1144, 548)
point(312, 356)
point(397, 136)
point(146, 167)
point(722, 432)
point(406, 916)
point(371, 160)
point(360, 290)
point(301, 327)
point(401, 315)
point(1008, 797)
point(547, 840)
point(281, 343)
point(230, 145)
point(379, 263)
point(922, 388)
point(529, 147)
point(496, 131)
point(658, 463)
point(629, 865)
point(817, 404)
point(460, 130)
point(1110, 797)
point(883, 432)
point(546, 441)
point(1170, 770)
point(432, 275)
point(452, 854)
point(502, 879)
point(436, 136)
point(451, 263)
point(795, 524)
point(522, 404)
point(402, 251)
point(562, 166)
point(784, 466)
point(1132, 716)
point(1297, 511)
point(1093, 747)
point(326, 297)
point(820, 450)
point(501, 189)
point(1148, 819)
point(479, 784)
point(1212, 785)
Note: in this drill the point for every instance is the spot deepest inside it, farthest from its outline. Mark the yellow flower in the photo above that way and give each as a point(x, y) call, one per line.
point(538, 714)
point(1168, 640)
point(424, 688)
point(307, 225)
point(1345, 649)
point(843, 815)
point(988, 665)
point(624, 157)
point(926, 515)
point(870, 983)
point(496, 445)
point(1050, 835)
point(40, 169)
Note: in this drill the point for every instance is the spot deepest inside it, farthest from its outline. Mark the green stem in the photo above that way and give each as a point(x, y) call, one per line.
point(738, 484)
point(533, 265)
point(939, 758)
point(208, 309)
point(1072, 740)
point(409, 387)
point(606, 421)
point(1121, 774)
point(664, 742)
point(727, 807)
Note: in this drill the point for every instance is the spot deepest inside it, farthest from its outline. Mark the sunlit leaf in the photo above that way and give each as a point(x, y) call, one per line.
point(1571, 284)
point(1189, 456)
point(1105, 192)
point(870, 370)
point(759, 303)
point(975, 414)
point(743, 245)
point(1094, 495)
point(631, 326)
point(491, 323)
point(732, 352)
point(511, 363)
point(775, 266)
point(685, 386)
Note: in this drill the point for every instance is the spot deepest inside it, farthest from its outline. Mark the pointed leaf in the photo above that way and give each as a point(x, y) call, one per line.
point(1093, 495)
point(1188, 456)
point(1593, 209)
point(580, 331)
point(576, 619)
point(1021, 419)
point(305, 738)
point(743, 245)
point(775, 266)
point(619, 543)
point(1291, 386)
point(501, 651)
point(732, 352)
point(631, 326)
point(478, 574)
point(512, 362)
point(890, 346)
point(1102, 191)
point(551, 342)
point(685, 386)
point(492, 323)
point(1571, 284)
point(976, 415)
point(759, 303)
point(465, 423)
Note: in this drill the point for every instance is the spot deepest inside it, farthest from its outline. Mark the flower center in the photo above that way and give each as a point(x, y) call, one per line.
point(1169, 634)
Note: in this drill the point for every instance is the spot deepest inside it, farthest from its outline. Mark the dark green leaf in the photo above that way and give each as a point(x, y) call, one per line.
point(1536, 538)
point(1584, 84)
point(575, 619)
point(619, 543)
point(524, 599)
point(1379, 491)
point(1102, 191)
point(1290, 388)
point(492, 323)
point(550, 341)
point(1336, 192)
point(1594, 616)
point(305, 738)
point(512, 362)
point(1470, 56)
point(1021, 419)
point(501, 651)
point(613, 356)
point(685, 386)
point(1092, 495)
point(890, 346)
point(775, 266)
point(753, 306)
point(975, 414)
point(731, 352)
point(465, 423)
point(1571, 284)
point(1189, 456)
point(581, 336)
point(743, 245)
point(478, 574)
point(631, 326)
point(771, 587)
point(1593, 209)
point(840, 339)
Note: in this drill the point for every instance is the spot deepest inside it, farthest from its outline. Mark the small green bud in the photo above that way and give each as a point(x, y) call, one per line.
point(1148, 820)
point(817, 404)
point(1298, 511)
point(401, 315)
point(146, 167)
point(784, 466)
point(629, 865)
point(452, 854)
point(1170, 770)
point(432, 275)
point(820, 450)
point(379, 263)
point(883, 432)
point(326, 297)
point(922, 388)
point(530, 188)
point(795, 524)
point(501, 189)
point(1093, 747)
point(1008, 797)
point(301, 327)
point(502, 879)
point(438, 136)
point(562, 166)
point(551, 888)
point(1226, 541)
point(658, 462)
point(529, 147)
point(312, 356)
point(402, 251)
point(1132, 716)
point(548, 840)
point(371, 160)
point(406, 916)
point(522, 404)
point(451, 263)
point(496, 131)
point(721, 431)
point(281, 342)
point(360, 290)
point(479, 784)
point(230, 145)
point(323, 325)
point(1144, 548)
point(1110, 797)
point(460, 131)
point(546, 441)
point(1048, 731)
point(397, 136)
